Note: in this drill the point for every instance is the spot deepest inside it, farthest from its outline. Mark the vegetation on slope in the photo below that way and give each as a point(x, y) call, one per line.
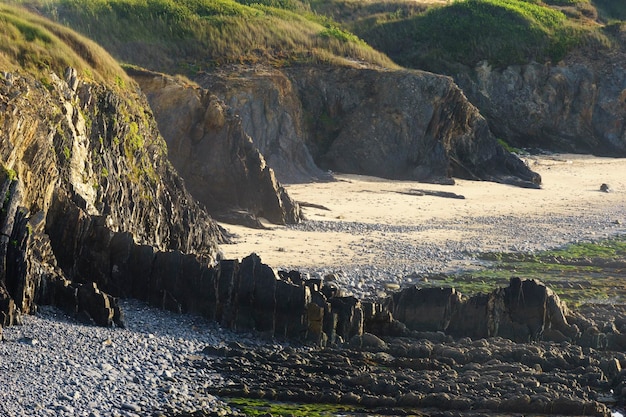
point(38, 45)
point(503, 32)
point(32, 45)
point(191, 35)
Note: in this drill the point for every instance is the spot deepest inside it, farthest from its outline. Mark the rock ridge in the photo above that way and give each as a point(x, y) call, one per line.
point(576, 106)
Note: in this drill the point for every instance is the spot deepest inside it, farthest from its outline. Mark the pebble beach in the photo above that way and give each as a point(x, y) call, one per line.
point(53, 365)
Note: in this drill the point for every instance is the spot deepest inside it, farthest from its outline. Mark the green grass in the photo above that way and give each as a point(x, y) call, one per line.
point(30, 44)
point(39, 46)
point(503, 32)
point(187, 36)
point(578, 273)
point(259, 407)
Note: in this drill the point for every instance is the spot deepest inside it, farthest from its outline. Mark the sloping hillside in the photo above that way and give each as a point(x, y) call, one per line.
point(545, 74)
point(501, 32)
point(190, 36)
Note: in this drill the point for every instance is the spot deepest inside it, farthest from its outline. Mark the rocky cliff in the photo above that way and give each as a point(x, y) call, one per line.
point(576, 106)
point(84, 168)
point(393, 124)
point(272, 114)
point(210, 148)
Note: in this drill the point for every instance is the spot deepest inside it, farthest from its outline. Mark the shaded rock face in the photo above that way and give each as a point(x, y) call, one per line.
point(401, 125)
point(393, 124)
point(212, 151)
point(578, 106)
point(82, 163)
point(520, 312)
point(272, 114)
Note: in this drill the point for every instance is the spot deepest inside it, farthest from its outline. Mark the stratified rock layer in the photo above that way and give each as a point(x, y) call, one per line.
point(82, 166)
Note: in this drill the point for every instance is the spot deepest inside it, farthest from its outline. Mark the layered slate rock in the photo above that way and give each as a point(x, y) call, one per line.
point(84, 168)
point(520, 312)
point(208, 145)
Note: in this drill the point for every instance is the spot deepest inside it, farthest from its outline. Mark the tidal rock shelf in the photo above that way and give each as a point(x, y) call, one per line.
point(517, 349)
point(421, 377)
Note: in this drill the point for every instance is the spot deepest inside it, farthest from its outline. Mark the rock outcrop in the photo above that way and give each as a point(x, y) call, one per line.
point(84, 166)
point(402, 125)
point(520, 312)
point(421, 377)
point(393, 124)
point(271, 112)
point(212, 151)
point(576, 106)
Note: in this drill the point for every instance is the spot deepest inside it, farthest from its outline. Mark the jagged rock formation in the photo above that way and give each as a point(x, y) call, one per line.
point(403, 125)
point(393, 124)
point(85, 166)
point(210, 149)
point(576, 106)
point(272, 114)
point(520, 312)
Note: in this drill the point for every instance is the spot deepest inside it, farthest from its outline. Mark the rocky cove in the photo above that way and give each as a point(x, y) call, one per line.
point(103, 217)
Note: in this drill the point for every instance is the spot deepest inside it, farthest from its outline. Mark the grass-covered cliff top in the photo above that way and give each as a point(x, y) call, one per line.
point(438, 35)
point(185, 36)
point(190, 35)
point(34, 44)
point(502, 32)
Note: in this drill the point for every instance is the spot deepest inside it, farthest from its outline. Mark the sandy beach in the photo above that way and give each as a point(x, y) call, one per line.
point(382, 229)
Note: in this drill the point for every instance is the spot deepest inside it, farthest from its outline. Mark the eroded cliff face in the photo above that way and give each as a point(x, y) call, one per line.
point(576, 106)
point(393, 124)
point(401, 125)
point(272, 114)
point(210, 148)
point(84, 168)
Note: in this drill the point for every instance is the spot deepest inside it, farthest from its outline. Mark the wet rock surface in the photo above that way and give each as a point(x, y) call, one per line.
point(424, 376)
